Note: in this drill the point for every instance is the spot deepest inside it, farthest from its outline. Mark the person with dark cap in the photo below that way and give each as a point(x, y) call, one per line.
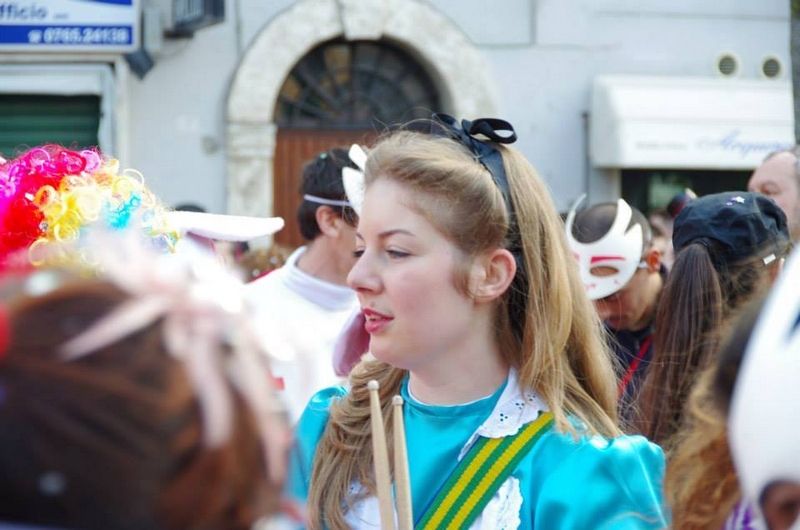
point(623, 274)
point(302, 306)
point(729, 248)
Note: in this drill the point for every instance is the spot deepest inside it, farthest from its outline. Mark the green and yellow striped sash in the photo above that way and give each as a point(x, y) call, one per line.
point(478, 476)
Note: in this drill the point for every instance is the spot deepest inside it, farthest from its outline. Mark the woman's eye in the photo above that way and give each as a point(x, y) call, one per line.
point(395, 254)
point(358, 253)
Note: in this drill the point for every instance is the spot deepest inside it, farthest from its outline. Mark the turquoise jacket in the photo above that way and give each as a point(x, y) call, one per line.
point(562, 483)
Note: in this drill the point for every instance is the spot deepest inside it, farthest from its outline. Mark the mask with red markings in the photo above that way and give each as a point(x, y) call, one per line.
point(618, 253)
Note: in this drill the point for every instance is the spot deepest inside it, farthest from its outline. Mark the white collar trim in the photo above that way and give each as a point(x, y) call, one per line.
point(515, 408)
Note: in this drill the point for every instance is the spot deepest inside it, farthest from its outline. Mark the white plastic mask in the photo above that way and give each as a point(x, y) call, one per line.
point(619, 249)
point(764, 424)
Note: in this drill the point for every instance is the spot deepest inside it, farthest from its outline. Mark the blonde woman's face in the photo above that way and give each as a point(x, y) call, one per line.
point(404, 278)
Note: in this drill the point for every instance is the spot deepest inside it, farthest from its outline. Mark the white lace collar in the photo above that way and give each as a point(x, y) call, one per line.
point(515, 408)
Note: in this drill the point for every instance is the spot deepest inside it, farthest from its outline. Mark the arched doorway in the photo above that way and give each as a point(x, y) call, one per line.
point(461, 75)
point(341, 92)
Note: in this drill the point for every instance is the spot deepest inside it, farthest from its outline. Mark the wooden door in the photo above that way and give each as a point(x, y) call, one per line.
point(293, 148)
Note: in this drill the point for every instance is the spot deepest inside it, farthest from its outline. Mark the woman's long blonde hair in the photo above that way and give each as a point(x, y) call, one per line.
point(553, 337)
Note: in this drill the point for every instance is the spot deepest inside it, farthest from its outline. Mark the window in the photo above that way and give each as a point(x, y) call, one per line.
point(355, 84)
point(652, 189)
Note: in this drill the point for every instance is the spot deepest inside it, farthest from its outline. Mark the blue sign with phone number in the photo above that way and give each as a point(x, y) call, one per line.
point(80, 35)
point(69, 25)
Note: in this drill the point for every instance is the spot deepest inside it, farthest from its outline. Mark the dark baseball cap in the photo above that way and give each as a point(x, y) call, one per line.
point(744, 225)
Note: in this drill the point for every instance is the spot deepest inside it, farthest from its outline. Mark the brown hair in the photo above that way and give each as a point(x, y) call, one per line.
point(701, 485)
point(554, 340)
point(322, 177)
point(113, 440)
point(695, 302)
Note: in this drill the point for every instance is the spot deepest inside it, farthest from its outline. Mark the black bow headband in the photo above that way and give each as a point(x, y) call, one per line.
point(499, 131)
point(494, 129)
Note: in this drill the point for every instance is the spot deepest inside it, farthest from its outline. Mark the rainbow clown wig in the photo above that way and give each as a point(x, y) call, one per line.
point(49, 195)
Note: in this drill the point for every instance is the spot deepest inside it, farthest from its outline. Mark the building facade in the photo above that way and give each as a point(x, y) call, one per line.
point(608, 97)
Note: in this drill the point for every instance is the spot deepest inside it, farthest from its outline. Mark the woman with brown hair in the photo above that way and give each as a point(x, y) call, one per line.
point(763, 425)
point(134, 400)
point(478, 319)
point(734, 467)
point(701, 486)
point(133, 392)
point(729, 247)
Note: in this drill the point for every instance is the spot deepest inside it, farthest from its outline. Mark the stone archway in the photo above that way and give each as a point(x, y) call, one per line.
point(459, 69)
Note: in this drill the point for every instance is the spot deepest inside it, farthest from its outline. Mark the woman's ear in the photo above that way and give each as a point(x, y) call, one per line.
point(493, 273)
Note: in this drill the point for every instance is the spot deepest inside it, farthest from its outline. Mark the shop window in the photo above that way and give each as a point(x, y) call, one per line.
point(650, 190)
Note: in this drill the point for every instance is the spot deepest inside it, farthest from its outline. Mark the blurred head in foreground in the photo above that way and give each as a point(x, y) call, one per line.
point(137, 399)
point(133, 392)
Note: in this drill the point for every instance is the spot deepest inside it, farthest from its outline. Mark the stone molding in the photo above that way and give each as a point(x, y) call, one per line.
point(458, 68)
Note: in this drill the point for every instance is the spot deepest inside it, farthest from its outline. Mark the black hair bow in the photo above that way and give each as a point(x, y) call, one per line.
point(500, 131)
point(468, 133)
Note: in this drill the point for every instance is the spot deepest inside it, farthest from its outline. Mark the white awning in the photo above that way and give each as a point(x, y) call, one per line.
point(688, 122)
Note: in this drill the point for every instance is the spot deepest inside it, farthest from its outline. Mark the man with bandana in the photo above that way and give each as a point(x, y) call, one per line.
point(623, 274)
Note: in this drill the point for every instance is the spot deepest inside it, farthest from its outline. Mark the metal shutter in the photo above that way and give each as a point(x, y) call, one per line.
point(31, 120)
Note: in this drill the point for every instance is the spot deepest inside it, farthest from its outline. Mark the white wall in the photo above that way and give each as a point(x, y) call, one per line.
point(545, 80)
point(543, 55)
point(177, 132)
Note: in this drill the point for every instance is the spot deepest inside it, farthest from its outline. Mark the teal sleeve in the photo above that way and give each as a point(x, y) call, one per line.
point(307, 434)
point(601, 484)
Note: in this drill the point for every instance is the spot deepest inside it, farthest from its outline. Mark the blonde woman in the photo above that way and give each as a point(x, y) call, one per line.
point(478, 319)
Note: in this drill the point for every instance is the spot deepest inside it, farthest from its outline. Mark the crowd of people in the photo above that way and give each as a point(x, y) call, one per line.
point(442, 329)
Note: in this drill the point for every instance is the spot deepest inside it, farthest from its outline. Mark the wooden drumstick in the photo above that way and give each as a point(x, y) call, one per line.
point(402, 482)
point(380, 458)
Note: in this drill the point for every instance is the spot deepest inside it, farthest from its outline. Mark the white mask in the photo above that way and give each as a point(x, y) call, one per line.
point(620, 249)
point(764, 423)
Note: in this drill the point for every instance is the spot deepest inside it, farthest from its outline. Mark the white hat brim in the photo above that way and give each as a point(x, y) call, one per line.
point(224, 227)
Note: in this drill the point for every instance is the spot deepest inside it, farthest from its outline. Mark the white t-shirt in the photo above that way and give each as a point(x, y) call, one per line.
point(299, 317)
